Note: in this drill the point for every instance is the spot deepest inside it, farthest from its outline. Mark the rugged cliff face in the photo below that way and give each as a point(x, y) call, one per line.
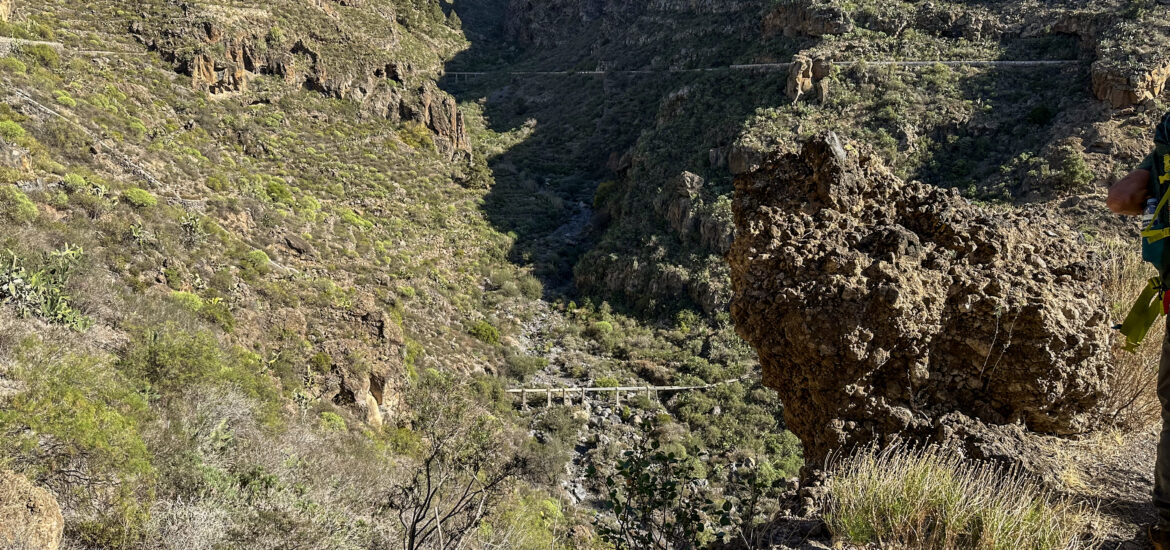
point(360, 59)
point(882, 308)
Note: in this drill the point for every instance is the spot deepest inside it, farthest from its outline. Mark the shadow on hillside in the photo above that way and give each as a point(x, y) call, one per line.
point(580, 125)
point(1017, 112)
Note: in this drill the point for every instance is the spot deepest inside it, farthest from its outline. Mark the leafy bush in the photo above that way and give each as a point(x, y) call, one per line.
point(600, 329)
point(485, 332)
point(169, 358)
point(256, 262)
point(13, 65)
point(332, 422)
point(76, 431)
point(216, 311)
point(42, 55)
point(416, 136)
point(1075, 174)
point(520, 366)
point(74, 182)
point(607, 382)
point(189, 301)
point(352, 218)
point(658, 503)
point(15, 205)
point(10, 131)
point(63, 98)
point(934, 499)
point(139, 198)
point(41, 291)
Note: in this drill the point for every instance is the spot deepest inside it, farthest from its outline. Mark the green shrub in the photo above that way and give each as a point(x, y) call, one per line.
point(74, 182)
point(352, 218)
point(187, 300)
point(139, 198)
point(92, 419)
point(332, 422)
point(600, 329)
point(256, 262)
point(520, 366)
point(934, 499)
point(40, 291)
point(607, 382)
point(277, 191)
point(170, 358)
point(216, 311)
point(13, 65)
point(42, 55)
point(1075, 174)
point(416, 135)
point(657, 503)
point(485, 332)
point(321, 363)
point(63, 98)
point(10, 131)
point(15, 205)
point(529, 521)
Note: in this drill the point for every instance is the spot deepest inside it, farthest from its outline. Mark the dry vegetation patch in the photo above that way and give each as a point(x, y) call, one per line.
point(931, 498)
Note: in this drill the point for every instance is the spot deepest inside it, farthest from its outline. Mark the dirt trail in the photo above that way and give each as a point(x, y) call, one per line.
point(1116, 473)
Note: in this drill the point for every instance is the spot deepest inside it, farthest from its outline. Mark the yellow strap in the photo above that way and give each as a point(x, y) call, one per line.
point(1155, 235)
point(1161, 179)
point(1142, 315)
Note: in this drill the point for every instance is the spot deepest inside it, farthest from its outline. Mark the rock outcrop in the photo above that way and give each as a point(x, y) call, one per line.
point(882, 308)
point(1123, 88)
point(806, 18)
point(681, 203)
point(223, 57)
point(6, 8)
point(15, 157)
point(29, 516)
point(809, 75)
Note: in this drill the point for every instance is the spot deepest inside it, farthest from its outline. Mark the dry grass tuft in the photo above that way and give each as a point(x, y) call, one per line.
point(1132, 402)
point(933, 499)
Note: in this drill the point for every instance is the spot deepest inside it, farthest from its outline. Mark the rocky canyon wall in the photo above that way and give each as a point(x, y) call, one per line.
point(882, 308)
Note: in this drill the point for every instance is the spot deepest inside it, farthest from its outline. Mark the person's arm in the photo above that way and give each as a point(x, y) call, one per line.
point(1128, 196)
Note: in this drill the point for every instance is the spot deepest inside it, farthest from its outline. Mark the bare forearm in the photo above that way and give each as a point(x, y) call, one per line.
point(1128, 196)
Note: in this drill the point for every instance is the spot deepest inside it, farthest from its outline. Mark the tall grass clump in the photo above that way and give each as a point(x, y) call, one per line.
point(930, 498)
point(1132, 400)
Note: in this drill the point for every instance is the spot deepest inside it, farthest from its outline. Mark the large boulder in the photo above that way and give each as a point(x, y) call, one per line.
point(882, 308)
point(29, 516)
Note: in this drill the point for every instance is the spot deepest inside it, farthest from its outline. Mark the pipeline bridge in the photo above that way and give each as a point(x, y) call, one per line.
point(566, 394)
point(778, 67)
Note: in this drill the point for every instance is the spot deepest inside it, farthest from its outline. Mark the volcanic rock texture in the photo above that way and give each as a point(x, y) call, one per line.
point(881, 308)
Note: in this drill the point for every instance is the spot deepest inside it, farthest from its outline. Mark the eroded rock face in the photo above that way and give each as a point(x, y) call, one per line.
point(881, 308)
point(809, 75)
point(29, 516)
point(807, 18)
point(6, 7)
point(1125, 88)
point(382, 86)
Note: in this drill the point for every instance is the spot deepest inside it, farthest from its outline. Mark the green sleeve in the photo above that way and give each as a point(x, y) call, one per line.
point(1148, 164)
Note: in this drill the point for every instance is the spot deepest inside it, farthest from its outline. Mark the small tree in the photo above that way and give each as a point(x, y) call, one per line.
point(462, 467)
point(658, 504)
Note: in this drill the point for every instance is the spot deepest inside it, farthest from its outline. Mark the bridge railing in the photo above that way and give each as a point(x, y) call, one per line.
point(566, 395)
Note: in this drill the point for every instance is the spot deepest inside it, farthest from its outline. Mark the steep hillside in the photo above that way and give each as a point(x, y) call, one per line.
point(249, 246)
point(269, 268)
point(999, 131)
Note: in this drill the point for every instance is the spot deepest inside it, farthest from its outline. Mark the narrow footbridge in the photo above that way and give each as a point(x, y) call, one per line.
point(566, 395)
